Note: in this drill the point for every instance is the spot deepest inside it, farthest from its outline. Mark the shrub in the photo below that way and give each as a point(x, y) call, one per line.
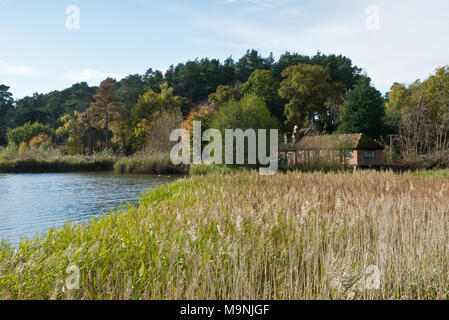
point(38, 140)
point(27, 132)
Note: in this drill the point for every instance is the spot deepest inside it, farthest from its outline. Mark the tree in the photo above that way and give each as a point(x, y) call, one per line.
point(204, 113)
point(31, 109)
point(72, 131)
point(224, 94)
point(151, 103)
point(262, 84)
point(78, 97)
point(106, 108)
point(130, 89)
point(6, 107)
point(309, 91)
point(364, 110)
point(251, 62)
point(395, 102)
point(54, 108)
point(150, 106)
point(251, 112)
point(153, 80)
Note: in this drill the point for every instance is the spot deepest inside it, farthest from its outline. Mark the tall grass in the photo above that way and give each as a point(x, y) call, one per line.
point(245, 236)
point(204, 169)
point(315, 164)
point(148, 165)
point(51, 159)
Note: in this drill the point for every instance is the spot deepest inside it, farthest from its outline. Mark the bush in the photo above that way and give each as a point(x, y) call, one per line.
point(38, 140)
point(27, 132)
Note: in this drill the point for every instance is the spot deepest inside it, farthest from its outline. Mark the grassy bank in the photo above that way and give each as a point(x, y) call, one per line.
point(68, 164)
point(51, 159)
point(245, 236)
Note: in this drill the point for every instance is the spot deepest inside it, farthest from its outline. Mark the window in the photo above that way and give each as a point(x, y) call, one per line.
point(299, 154)
point(370, 154)
point(349, 155)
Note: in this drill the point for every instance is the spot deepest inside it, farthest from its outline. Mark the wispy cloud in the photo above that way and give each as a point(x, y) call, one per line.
point(16, 69)
point(260, 3)
point(401, 50)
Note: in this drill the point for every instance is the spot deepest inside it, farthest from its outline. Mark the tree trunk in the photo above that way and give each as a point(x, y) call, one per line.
point(107, 130)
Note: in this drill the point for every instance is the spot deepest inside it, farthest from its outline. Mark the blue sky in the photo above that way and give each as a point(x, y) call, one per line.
point(116, 38)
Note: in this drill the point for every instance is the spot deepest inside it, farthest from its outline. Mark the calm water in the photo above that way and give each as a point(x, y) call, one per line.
point(33, 203)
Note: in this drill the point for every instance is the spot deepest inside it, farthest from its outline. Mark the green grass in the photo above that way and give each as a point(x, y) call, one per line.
point(203, 169)
point(153, 165)
point(444, 173)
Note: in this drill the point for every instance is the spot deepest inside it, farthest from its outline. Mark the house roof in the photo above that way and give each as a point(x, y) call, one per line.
point(356, 141)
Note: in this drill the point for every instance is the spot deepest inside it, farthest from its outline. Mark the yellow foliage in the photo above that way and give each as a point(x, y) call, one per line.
point(38, 140)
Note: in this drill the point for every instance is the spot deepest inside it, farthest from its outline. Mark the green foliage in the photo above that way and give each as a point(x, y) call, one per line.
point(192, 83)
point(251, 62)
point(28, 131)
point(130, 89)
point(364, 110)
point(309, 90)
point(224, 94)
point(341, 68)
point(262, 84)
point(151, 104)
point(6, 107)
point(250, 112)
point(73, 130)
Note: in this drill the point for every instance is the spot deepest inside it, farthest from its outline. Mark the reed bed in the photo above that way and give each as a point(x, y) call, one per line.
point(63, 164)
point(245, 236)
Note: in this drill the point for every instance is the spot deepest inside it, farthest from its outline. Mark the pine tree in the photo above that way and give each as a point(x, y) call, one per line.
point(106, 108)
point(364, 110)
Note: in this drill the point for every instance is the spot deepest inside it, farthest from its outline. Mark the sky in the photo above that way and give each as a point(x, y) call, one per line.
point(45, 47)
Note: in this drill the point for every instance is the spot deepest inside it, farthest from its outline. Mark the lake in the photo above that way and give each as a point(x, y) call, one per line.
point(33, 203)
